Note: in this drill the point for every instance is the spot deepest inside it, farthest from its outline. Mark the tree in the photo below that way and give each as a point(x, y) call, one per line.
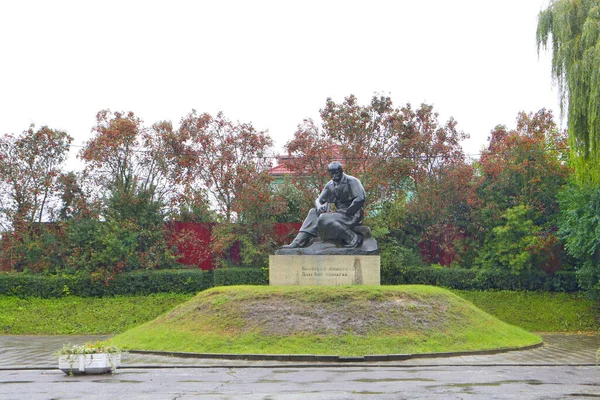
point(77, 199)
point(310, 151)
point(369, 145)
point(229, 160)
point(363, 137)
point(524, 167)
point(124, 154)
point(514, 244)
point(30, 167)
point(579, 227)
point(126, 160)
point(442, 215)
point(572, 29)
point(186, 199)
point(390, 149)
point(396, 152)
point(439, 211)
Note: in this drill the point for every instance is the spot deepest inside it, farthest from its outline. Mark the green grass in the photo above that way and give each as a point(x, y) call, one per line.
point(354, 320)
point(537, 311)
point(533, 311)
point(77, 315)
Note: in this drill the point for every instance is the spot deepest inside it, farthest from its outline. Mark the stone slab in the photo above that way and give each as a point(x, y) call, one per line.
point(324, 270)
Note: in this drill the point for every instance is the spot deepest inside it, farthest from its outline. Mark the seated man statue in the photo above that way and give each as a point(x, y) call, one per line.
point(348, 195)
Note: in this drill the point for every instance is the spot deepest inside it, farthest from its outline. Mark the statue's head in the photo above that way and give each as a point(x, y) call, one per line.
point(336, 171)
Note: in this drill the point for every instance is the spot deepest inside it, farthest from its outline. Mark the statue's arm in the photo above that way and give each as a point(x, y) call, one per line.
point(323, 200)
point(359, 197)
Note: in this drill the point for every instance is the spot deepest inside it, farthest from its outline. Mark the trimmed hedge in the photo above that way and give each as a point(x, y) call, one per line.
point(196, 280)
point(473, 279)
point(240, 276)
point(133, 283)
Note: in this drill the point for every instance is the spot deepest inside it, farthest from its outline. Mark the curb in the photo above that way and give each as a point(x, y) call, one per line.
point(311, 365)
point(332, 358)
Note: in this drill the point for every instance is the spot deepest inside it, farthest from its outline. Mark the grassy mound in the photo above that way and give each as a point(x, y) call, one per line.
point(345, 321)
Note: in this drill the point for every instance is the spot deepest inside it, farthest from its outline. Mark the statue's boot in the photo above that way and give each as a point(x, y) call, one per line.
point(302, 240)
point(351, 239)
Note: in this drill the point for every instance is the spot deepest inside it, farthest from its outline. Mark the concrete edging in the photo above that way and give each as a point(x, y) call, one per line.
point(333, 358)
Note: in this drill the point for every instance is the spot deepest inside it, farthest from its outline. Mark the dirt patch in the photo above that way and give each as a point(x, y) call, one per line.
point(288, 316)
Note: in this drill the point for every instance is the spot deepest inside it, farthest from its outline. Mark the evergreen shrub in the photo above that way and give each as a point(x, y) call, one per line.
point(132, 283)
point(473, 279)
point(239, 276)
point(196, 280)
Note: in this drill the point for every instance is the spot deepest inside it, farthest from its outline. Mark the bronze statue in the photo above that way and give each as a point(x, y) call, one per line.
point(348, 195)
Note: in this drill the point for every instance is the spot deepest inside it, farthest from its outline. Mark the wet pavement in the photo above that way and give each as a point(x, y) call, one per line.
point(440, 382)
point(21, 352)
point(564, 368)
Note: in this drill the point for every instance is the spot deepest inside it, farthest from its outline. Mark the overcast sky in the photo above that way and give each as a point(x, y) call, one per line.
point(272, 63)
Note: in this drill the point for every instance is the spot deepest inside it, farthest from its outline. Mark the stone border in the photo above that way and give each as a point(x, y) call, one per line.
point(333, 358)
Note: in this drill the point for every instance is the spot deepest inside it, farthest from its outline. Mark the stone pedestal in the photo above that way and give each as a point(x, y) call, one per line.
point(331, 270)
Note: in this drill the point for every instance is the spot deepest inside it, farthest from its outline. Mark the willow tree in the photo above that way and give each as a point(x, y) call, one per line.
point(572, 29)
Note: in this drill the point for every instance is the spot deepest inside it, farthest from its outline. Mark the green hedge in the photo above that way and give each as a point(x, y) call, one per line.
point(134, 283)
point(196, 280)
point(472, 279)
point(240, 276)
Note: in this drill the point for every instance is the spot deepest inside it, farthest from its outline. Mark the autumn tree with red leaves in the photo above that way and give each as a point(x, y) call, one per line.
point(124, 160)
point(442, 215)
point(396, 152)
point(188, 199)
point(440, 208)
point(30, 167)
point(523, 170)
point(526, 165)
point(389, 148)
point(363, 138)
point(125, 155)
point(230, 161)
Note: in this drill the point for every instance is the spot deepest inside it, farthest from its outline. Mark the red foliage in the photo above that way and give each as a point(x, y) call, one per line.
point(363, 138)
point(194, 242)
point(229, 159)
point(526, 165)
point(439, 245)
point(30, 165)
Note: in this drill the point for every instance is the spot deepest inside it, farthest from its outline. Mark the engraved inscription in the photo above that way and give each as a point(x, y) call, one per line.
point(327, 271)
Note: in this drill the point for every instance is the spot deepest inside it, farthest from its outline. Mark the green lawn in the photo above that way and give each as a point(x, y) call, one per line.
point(82, 315)
point(533, 311)
point(537, 311)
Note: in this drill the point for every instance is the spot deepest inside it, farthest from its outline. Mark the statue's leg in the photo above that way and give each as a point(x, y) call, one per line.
point(337, 226)
point(351, 238)
point(307, 231)
point(310, 224)
point(329, 227)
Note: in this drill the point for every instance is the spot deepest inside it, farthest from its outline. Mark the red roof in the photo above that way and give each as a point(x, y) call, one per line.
point(282, 170)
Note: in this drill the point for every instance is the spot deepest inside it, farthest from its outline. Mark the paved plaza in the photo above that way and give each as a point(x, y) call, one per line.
point(564, 368)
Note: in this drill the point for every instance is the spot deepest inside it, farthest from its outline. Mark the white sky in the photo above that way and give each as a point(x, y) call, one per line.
point(272, 63)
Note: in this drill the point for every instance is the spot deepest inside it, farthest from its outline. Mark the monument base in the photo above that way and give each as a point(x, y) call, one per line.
point(318, 270)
